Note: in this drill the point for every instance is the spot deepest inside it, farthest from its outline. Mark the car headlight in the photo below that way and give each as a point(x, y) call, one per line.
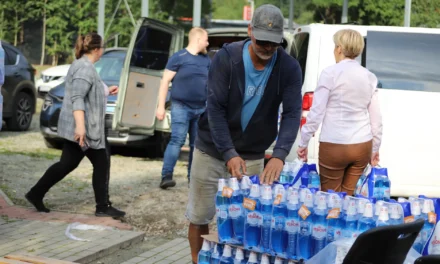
point(48, 102)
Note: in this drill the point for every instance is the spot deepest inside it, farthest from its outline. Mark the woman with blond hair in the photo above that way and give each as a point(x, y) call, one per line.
point(81, 124)
point(346, 103)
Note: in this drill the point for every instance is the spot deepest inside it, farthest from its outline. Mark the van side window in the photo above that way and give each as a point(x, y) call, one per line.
point(151, 49)
point(405, 61)
point(302, 46)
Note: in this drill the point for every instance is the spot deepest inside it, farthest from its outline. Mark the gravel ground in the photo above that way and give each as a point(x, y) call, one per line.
point(133, 184)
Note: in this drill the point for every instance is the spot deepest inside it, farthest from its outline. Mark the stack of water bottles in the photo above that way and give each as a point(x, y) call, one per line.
point(213, 253)
point(293, 219)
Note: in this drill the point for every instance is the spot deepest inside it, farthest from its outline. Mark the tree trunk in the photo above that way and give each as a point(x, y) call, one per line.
point(22, 33)
point(54, 56)
point(43, 42)
point(16, 28)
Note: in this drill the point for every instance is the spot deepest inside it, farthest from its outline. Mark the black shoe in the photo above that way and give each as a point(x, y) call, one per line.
point(167, 182)
point(37, 203)
point(109, 211)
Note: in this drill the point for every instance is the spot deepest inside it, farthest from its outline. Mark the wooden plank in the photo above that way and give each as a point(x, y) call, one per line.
point(11, 261)
point(37, 259)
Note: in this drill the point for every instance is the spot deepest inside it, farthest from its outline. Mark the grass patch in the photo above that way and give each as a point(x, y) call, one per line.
point(38, 153)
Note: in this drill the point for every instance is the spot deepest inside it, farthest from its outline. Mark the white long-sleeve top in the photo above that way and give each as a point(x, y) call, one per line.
point(346, 103)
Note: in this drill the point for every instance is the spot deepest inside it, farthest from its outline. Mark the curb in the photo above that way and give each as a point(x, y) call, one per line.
point(135, 238)
point(6, 198)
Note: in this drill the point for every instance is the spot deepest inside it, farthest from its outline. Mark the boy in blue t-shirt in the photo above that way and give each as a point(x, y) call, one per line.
point(187, 69)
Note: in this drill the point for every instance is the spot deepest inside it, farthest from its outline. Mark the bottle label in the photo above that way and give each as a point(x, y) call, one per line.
point(249, 204)
point(304, 212)
point(304, 228)
point(319, 231)
point(278, 199)
point(227, 192)
point(253, 219)
point(386, 192)
point(235, 211)
point(222, 213)
point(333, 213)
point(278, 222)
point(432, 217)
point(408, 219)
point(292, 226)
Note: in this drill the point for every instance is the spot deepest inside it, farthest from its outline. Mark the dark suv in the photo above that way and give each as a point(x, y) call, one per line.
point(19, 94)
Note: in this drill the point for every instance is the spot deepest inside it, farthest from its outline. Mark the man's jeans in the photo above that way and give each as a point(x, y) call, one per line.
point(183, 121)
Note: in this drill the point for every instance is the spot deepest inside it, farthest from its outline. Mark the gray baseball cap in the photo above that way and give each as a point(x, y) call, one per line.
point(268, 24)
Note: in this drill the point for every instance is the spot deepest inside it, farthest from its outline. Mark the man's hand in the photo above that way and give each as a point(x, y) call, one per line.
point(236, 167)
point(272, 171)
point(302, 153)
point(375, 159)
point(112, 90)
point(160, 113)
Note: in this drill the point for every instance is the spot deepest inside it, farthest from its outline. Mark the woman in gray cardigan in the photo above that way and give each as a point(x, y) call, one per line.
point(81, 124)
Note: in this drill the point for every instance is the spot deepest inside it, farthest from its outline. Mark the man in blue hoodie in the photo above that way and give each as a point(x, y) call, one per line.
point(247, 82)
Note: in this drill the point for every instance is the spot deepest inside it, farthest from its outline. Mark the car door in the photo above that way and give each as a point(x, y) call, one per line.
point(152, 43)
point(12, 77)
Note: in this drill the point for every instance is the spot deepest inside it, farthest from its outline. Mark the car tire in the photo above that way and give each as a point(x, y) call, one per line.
point(159, 144)
point(53, 144)
point(22, 111)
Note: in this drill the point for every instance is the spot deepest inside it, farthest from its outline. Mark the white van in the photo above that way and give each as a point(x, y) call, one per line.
point(406, 62)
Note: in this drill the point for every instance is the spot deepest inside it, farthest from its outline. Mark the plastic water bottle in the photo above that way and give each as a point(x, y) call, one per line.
point(345, 203)
point(278, 239)
point(428, 226)
point(205, 253)
point(304, 250)
point(253, 258)
point(314, 181)
point(227, 255)
point(366, 222)
point(416, 211)
point(334, 226)
point(384, 218)
point(292, 224)
point(378, 188)
point(386, 188)
point(265, 259)
point(215, 255)
point(236, 211)
point(302, 194)
point(239, 257)
point(361, 207)
point(252, 229)
point(319, 232)
point(395, 218)
point(245, 186)
point(285, 174)
point(266, 213)
point(377, 207)
point(350, 220)
point(224, 224)
point(278, 260)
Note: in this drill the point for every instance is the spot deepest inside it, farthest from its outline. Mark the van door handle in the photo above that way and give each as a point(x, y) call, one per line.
point(139, 85)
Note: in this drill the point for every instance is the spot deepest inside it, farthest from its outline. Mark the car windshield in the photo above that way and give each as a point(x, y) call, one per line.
point(109, 68)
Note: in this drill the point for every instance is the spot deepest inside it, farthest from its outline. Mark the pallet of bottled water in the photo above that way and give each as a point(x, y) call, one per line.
point(289, 223)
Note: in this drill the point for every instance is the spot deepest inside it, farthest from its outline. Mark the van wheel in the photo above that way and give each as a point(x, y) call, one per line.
point(22, 110)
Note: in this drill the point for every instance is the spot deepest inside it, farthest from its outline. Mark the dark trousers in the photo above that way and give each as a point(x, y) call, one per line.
point(71, 156)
